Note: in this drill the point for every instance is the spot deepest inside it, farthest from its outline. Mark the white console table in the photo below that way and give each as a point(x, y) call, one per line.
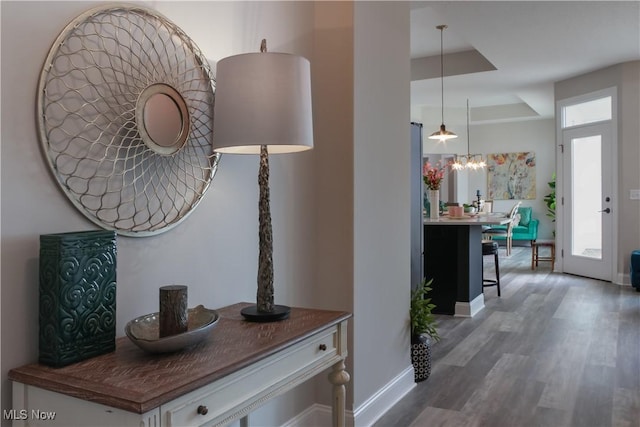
point(236, 369)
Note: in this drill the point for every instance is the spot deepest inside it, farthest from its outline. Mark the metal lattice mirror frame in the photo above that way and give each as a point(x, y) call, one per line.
point(125, 116)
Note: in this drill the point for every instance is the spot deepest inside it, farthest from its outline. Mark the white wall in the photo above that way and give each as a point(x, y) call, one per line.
point(531, 135)
point(333, 154)
point(214, 251)
point(628, 172)
point(381, 196)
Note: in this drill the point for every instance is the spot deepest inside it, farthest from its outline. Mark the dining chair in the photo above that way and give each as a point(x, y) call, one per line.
point(510, 226)
point(508, 232)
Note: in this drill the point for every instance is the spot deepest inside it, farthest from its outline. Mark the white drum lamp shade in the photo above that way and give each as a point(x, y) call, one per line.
point(263, 99)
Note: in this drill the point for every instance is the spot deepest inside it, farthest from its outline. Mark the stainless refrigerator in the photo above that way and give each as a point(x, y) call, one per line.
point(417, 203)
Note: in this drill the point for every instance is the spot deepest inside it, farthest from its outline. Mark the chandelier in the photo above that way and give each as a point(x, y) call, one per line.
point(469, 161)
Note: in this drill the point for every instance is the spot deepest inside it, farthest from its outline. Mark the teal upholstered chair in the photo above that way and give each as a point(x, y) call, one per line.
point(526, 229)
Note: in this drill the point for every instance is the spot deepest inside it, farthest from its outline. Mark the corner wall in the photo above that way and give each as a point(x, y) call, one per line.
point(382, 280)
point(332, 71)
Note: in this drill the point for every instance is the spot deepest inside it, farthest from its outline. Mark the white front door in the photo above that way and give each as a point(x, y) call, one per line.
point(588, 209)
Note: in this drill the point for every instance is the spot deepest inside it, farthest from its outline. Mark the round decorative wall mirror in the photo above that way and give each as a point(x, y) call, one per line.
point(125, 117)
point(162, 118)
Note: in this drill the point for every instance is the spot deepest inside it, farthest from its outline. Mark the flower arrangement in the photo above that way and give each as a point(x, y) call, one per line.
point(433, 175)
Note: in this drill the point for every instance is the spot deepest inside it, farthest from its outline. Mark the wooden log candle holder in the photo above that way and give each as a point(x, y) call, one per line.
point(173, 310)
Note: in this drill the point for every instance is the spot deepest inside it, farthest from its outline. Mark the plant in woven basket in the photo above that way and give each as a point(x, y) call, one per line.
point(423, 330)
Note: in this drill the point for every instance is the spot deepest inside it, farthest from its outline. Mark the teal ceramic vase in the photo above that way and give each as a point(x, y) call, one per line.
point(77, 295)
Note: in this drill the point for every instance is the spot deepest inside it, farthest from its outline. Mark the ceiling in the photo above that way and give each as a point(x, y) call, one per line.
point(504, 56)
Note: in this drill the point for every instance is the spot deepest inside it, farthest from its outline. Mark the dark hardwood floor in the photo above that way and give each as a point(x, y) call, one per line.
point(553, 350)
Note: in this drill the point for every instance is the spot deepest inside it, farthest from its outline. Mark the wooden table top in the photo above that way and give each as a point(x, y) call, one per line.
point(136, 381)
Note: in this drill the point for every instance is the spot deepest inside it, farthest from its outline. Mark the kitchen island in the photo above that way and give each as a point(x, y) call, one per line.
point(453, 259)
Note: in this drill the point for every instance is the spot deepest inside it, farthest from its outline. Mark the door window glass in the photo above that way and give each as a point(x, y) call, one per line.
point(583, 113)
point(586, 195)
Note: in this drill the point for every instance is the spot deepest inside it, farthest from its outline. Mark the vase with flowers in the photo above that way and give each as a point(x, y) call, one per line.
point(433, 176)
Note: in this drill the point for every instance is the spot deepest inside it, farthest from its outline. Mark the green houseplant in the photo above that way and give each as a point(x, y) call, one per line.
point(550, 199)
point(422, 319)
point(423, 330)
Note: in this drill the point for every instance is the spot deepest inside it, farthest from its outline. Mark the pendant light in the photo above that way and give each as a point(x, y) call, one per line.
point(443, 134)
point(470, 161)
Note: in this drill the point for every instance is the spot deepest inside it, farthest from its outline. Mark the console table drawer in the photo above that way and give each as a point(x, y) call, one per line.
point(38, 407)
point(226, 400)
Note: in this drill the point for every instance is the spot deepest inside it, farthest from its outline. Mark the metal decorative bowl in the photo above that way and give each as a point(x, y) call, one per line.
point(144, 332)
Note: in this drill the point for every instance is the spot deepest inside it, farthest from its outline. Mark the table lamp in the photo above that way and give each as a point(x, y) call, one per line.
point(263, 106)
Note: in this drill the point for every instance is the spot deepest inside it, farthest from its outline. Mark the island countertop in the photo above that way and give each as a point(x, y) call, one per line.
point(491, 219)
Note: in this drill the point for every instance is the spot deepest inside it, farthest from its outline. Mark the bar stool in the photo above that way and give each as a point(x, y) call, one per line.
point(535, 253)
point(490, 247)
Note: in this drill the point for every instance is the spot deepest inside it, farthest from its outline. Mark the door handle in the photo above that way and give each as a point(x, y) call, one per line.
point(607, 210)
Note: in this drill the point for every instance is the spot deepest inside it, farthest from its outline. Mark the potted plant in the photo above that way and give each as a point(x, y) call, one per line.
point(423, 330)
point(550, 200)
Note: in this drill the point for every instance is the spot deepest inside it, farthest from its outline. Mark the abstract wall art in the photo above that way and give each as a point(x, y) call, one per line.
point(511, 176)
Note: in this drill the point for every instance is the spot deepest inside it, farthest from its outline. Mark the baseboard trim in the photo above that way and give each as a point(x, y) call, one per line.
point(367, 414)
point(381, 401)
point(466, 309)
point(623, 279)
point(316, 415)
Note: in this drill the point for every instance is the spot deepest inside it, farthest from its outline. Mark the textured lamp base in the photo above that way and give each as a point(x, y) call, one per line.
point(280, 312)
